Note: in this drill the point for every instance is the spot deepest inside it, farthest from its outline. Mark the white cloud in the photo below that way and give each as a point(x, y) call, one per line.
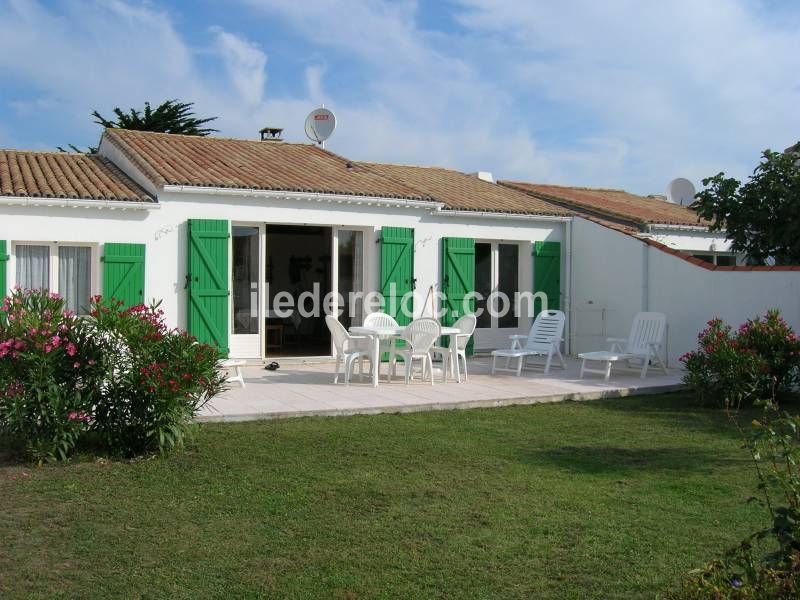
point(613, 94)
point(245, 63)
point(691, 87)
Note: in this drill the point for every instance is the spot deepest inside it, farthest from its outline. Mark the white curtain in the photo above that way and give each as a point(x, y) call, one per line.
point(74, 277)
point(358, 274)
point(33, 267)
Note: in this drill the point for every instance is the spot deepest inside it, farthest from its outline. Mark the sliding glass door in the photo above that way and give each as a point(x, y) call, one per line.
point(246, 269)
point(350, 275)
point(497, 281)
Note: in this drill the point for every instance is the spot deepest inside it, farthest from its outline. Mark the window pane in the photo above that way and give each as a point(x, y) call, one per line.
point(726, 260)
point(33, 267)
point(508, 281)
point(483, 282)
point(705, 257)
point(75, 278)
point(245, 280)
point(350, 268)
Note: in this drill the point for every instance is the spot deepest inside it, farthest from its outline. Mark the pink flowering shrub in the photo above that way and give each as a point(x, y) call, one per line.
point(48, 368)
point(155, 379)
point(758, 361)
point(122, 376)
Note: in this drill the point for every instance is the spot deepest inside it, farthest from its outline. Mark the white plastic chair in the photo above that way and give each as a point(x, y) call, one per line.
point(348, 349)
point(544, 339)
point(643, 344)
point(466, 325)
point(420, 335)
point(235, 365)
point(387, 345)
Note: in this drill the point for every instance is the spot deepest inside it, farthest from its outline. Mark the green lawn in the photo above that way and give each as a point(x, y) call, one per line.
point(603, 499)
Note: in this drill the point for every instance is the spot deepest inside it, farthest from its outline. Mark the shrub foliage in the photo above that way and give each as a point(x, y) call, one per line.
point(121, 375)
point(754, 365)
point(730, 369)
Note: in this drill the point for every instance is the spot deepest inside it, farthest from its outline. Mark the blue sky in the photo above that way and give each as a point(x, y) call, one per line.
point(623, 94)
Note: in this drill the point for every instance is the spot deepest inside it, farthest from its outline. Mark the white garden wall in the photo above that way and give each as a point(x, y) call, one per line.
point(616, 275)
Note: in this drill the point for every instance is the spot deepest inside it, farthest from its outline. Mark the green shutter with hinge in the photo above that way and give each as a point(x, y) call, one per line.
point(397, 270)
point(3, 277)
point(208, 281)
point(547, 273)
point(3, 268)
point(123, 272)
point(458, 280)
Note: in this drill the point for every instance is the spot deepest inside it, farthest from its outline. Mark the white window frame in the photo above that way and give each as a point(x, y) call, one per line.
point(94, 276)
point(495, 276)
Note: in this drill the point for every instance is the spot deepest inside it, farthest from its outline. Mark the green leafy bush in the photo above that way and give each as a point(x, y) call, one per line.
point(121, 374)
point(49, 365)
point(729, 369)
point(742, 573)
point(156, 379)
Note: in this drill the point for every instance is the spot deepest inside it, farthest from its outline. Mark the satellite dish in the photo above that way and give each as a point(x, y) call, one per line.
point(320, 124)
point(680, 191)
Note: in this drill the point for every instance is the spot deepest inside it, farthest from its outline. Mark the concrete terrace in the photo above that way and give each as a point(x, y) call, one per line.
point(307, 389)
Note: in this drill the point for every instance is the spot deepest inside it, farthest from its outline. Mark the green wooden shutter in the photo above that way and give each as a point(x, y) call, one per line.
point(123, 272)
point(458, 280)
point(3, 268)
point(397, 267)
point(547, 273)
point(207, 317)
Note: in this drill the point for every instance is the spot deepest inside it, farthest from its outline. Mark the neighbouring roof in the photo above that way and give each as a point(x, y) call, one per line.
point(459, 191)
point(172, 159)
point(65, 175)
point(616, 205)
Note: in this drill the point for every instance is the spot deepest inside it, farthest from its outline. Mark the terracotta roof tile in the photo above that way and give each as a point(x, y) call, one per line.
point(171, 159)
point(65, 175)
point(613, 204)
point(459, 191)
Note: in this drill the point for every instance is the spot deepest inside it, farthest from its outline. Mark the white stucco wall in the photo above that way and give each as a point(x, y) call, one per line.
point(615, 276)
point(164, 233)
point(692, 241)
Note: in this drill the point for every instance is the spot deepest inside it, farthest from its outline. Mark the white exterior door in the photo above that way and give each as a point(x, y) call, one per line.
point(498, 269)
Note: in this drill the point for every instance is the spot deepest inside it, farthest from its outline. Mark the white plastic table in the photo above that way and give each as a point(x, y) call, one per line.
point(382, 333)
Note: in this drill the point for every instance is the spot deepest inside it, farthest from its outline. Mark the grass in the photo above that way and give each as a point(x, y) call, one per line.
point(602, 499)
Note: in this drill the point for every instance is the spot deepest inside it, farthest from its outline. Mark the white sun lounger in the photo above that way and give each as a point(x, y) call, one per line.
point(544, 339)
point(643, 344)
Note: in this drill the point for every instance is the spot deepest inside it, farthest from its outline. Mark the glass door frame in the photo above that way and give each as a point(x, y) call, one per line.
point(262, 304)
point(238, 340)
point(335, 267)
point(495, 336)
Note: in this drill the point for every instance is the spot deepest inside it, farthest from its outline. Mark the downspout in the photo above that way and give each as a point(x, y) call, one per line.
point(645, 277)
point(568, 290)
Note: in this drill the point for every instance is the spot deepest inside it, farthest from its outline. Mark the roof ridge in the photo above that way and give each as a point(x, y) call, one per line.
point(212, 137)
point(47, 152)
point(569, 187)
point(393, 164)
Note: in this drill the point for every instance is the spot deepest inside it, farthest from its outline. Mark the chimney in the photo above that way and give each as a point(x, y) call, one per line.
point(271, 134)
point(483, 176)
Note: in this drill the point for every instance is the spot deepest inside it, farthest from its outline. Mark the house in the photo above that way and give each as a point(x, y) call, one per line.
point(651, 217)
point(228, 232)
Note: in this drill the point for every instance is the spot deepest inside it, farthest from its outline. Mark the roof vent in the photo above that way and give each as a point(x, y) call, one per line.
point(483, 176)
point(271, 134)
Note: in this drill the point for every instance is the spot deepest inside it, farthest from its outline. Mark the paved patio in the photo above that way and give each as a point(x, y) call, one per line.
point(299, 389)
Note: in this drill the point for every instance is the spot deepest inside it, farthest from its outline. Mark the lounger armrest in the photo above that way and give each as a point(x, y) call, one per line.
point(516, 341)
point(615, 344)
